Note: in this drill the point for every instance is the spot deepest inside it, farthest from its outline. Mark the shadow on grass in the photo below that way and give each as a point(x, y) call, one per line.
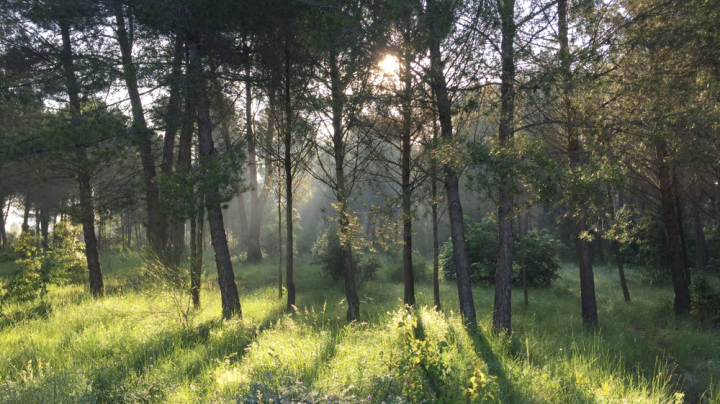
point(146, 360)
point(484, 350)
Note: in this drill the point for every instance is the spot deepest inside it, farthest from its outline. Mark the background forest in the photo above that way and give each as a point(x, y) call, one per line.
point(360, 201)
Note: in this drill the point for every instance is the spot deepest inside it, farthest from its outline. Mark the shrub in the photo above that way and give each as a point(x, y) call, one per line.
point(705, 298)
point(60, 263)
point(330, 255)
point(541, 265)
point(422, 270)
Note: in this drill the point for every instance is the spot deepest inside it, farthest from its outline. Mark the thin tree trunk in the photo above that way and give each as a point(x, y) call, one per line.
point(254, 252)
point(681, 228)
point(3, 236)
point(616, 250)
point(87, 211)
point(522, 231)
point(280, 249)
point(196, 252)
point(452, 187)
point(574, 149)
point(226, 276)
point(44, 220)
point(703, 256)
point(681, 303)
point(502, 313)
point(176, 237)
point(337, 94)
point(408, 276)
point(434, 205)
point(288, 165)
point(25, 227)
point(156, 226)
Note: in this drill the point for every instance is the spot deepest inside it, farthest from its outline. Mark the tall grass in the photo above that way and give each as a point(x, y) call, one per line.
point(132, 347)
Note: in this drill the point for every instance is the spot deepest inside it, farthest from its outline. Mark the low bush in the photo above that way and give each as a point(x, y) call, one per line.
point(60, 263)
point(541, 264)
point(330, 255)
point(422, 270)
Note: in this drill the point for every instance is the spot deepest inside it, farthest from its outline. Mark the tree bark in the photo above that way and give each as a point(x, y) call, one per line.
point(156, 226)
point(503, 277)
point(616, 250)
point(522, 231)
point(25, 227)
point(353, 311)
point(703, 256)
point(434, 206)
point(574, 149)
point(44, 220)
point(87, 211)
point(452, 188)
point(3, 236)
point(257, 200)
point(681, 228)
point(176, 237)
point(226, 276)
point(288, 165)
point(681, 303)
point(280, 249)
point(196, 252)
point(408, 276)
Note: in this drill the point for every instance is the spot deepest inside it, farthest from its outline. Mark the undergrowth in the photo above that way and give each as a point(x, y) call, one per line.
point(125, 348)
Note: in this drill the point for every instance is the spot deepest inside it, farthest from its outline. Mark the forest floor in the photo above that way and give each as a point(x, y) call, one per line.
point(141, 344)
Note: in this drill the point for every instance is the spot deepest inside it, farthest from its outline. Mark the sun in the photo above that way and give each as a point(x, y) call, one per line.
point(389, 64)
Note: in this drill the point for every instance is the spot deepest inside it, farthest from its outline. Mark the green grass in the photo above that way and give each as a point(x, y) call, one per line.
point(131, 346)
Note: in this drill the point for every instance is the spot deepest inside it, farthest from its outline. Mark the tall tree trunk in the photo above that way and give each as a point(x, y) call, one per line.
point(522, 231)
point(196, 251)
point(616, 250)
point(226, 276)
point(176, 240)
point(574, 149)
point(25, 227)
point(44, 220)
point(184, 165)
point(87, 210)
point(681, 304)
point(681, 227)
point(337, 94)
point(257, 202)
point(156, 226)
point(280, 249)
point(435, 219)
point(703, 256)
point(3, 236)
point(452, 187)
point(288, 165)
point(503, 277)
point(408, 276)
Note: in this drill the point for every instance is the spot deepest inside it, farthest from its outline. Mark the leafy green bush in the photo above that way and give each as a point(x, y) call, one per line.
point(705, 297)
point(541, 264)
point(60, 263)
point(422, 271)
point(330, 255)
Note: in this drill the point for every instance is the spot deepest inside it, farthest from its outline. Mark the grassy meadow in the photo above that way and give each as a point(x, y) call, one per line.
point(140, 344)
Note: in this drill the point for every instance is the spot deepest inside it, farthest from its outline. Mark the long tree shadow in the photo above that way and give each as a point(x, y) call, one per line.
point(484, 350)
point(142, 363)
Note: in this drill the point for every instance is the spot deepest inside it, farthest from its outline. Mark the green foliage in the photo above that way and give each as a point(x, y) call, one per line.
point(329, 253)
point(705, 298)
point(427, 375)
point(541, 264)
point(60, 263)
point(422, 270)
point(649, 250)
